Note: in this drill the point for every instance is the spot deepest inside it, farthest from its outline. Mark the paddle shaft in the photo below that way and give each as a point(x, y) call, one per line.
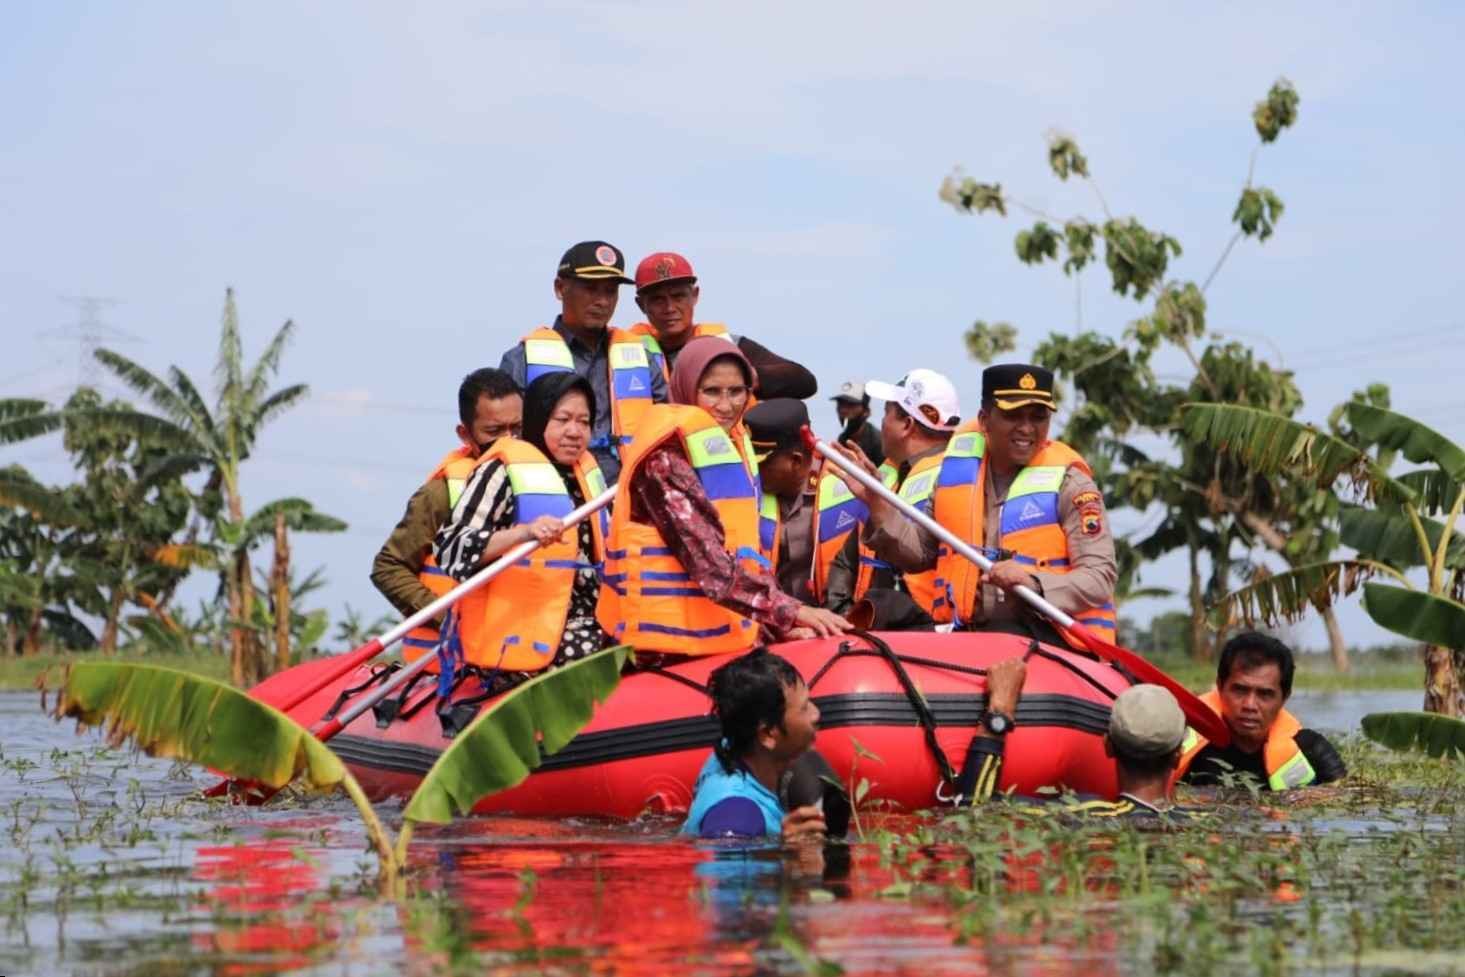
point(946, 536)
point(1200, 715)
point(325, 729)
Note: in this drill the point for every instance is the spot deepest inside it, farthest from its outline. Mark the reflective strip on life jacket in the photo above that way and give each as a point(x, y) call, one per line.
point(629, 380)
point(647, 598)
point(770, 525)
point(1286, 766)
point(917, 489)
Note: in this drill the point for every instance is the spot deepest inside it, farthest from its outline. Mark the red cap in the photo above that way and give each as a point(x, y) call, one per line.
point(662, 267)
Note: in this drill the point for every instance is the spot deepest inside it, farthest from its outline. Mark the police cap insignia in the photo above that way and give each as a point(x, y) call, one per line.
point(1028, 382)
point(606, 255)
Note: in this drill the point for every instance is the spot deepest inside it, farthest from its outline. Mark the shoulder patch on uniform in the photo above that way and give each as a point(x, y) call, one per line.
point(1088, 498)
point(1093, 521)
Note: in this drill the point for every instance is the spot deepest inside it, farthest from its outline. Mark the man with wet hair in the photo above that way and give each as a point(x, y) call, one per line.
point(768, 723)
point(1268, 743)
point(490, 406)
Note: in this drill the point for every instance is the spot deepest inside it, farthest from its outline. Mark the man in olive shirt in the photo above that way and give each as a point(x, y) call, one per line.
point(490, 407)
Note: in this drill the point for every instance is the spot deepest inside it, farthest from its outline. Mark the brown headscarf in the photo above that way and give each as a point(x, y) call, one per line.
point(693, 361)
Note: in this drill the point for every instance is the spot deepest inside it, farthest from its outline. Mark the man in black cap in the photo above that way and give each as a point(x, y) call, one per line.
point(582, 340)
point(786, 505)
point(1030, 503)
point(852, 405)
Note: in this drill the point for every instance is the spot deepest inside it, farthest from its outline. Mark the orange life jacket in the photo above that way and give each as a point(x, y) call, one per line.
point(1031, 525)
point(647, 599)
point(1283, 760)
point(545, 351)
point(454, 469)
point(770, 528)
point(917, 488)
point(515, 621)
point(837, 513)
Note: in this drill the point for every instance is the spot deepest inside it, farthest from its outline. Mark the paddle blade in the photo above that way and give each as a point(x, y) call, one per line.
point(173, 714)
point(1201, 717)
point(510, 738)
point(1439, 736)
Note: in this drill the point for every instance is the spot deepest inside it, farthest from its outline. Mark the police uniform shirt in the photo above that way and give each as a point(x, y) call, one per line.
point(1092, 569)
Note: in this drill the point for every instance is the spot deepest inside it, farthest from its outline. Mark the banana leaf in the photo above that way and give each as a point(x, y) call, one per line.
point(1387, 535)
point(510, 738)
point(1439, 736)
point(1435, 491)
point(1271, 444)
point(1289, 596)
point(1415, 614)
point(1415, 441)
point(170, 713)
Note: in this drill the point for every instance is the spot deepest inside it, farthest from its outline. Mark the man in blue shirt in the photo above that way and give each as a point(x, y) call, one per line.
point(768, 723)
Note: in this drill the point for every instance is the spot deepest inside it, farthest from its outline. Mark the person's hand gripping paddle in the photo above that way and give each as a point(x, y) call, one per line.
point(287, 695)
point(1197, 713)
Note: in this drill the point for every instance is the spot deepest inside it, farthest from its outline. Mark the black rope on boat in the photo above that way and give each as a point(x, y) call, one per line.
point(918, 702)
point(420, 704)
point(689, 683)
point(387, 709)
point(1035, 650)
point(378, 674)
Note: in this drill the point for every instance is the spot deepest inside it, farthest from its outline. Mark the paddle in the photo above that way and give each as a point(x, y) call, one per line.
point(326, 728)
point(1200, 716)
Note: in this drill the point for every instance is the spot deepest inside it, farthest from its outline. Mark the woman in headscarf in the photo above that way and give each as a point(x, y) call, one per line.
point(542, 615)
point(683, 574)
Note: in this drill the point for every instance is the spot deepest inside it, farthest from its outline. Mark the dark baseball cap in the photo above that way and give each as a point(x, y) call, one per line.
point(776, 424)
point(594, 261)
point(1014, 385)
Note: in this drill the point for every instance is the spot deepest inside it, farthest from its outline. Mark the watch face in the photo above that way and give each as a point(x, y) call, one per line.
point(997, 722)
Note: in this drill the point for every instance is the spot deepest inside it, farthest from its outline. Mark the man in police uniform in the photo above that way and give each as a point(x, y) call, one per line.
point(587, 285)
point(786, 508)
point(1013, 425)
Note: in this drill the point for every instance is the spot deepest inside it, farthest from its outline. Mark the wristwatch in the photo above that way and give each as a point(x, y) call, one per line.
point(997, 723)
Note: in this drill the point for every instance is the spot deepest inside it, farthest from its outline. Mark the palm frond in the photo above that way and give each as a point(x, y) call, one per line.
point(154, 388)
point(268, 363)
point(277, 403)
point(1386, 534)
point(14, 407)
point(1287, 597)
point(228, 369)
point(511, 737)
point(1439, 736)
point(1415, 441)
point(1429, 618)
point(300, 516)
point(169, 467)
point(19, 489)
point(147, 428)
point(188, 393)
point(1270, 444)
point(1435, 491)
point(20, 423)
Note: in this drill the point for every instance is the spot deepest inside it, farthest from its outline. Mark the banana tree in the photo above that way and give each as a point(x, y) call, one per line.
point(217, 440)
point(1391, 525)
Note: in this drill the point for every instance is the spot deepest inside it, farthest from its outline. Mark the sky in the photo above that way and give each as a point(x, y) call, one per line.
point(400, 181)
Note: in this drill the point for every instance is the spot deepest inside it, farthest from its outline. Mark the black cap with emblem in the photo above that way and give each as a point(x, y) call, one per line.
point(1014, 385)
point(775, 424)
point(594, 261)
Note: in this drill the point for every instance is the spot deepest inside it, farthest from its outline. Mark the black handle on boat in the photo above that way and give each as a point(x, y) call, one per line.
point(1200, 715)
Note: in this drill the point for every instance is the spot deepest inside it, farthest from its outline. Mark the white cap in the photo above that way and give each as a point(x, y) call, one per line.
point(851, 390)
point(923, 394)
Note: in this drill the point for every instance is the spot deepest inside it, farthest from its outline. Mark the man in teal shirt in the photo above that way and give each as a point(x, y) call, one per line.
point(768, 724)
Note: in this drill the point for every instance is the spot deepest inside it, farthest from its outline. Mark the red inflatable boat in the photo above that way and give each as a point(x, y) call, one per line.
point(893, 694)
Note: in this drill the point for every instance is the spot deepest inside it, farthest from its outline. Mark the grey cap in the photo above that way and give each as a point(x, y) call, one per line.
point(852, 391)
point(1145, 722)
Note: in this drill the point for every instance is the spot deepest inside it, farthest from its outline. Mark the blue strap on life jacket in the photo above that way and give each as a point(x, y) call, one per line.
point(449, 655)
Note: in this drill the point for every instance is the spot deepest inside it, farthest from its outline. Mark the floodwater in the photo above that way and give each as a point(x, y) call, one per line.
point(111, 865)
